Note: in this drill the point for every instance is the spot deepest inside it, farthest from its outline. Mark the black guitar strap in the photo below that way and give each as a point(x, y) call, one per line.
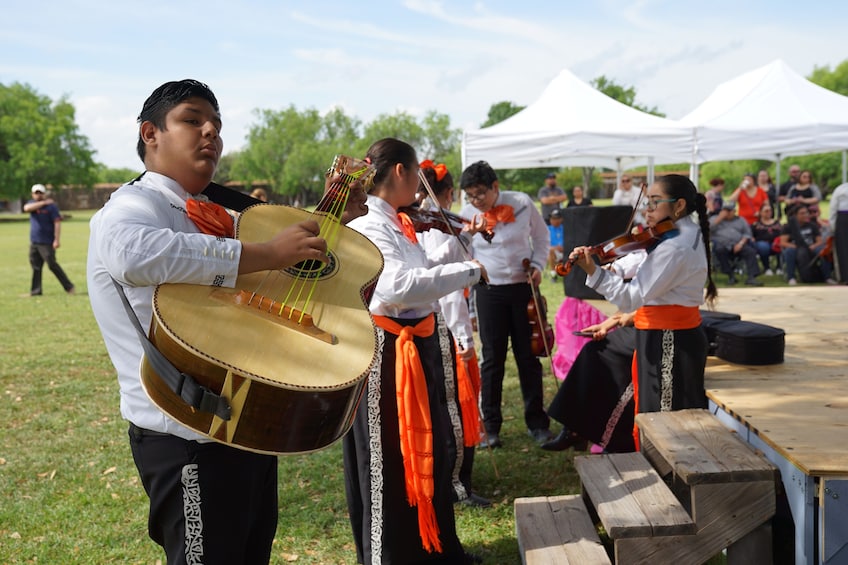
point(183, 385)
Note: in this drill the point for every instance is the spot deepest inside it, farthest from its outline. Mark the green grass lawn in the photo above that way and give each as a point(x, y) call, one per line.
point(69, 492)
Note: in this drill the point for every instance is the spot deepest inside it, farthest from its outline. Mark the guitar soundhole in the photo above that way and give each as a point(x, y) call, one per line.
point(312, 269)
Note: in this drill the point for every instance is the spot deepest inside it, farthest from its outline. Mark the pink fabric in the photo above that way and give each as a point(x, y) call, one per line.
point(573, 315)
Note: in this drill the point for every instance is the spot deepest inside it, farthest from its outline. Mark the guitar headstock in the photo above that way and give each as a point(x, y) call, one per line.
point(352, 169)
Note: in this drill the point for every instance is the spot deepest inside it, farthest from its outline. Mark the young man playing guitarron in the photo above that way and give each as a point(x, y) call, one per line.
point(209, 502)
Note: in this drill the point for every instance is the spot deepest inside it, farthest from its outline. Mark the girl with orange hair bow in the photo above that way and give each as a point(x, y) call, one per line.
point(400, 451)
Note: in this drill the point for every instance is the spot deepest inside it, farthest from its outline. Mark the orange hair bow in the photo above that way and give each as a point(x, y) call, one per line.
point(441, 169)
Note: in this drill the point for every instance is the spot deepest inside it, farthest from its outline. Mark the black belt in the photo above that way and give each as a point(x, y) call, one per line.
point(137, 432)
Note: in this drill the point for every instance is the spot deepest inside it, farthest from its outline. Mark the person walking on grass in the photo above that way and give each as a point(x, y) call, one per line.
point(45, 228)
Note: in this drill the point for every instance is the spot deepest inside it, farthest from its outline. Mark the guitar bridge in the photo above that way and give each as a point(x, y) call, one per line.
point(272, 310)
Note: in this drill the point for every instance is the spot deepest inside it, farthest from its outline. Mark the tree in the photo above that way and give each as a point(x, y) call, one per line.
point(835, 80)
point(625, 95)
point(40, 143)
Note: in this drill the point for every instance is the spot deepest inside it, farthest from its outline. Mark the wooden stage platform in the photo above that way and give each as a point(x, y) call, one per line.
point(796, 413)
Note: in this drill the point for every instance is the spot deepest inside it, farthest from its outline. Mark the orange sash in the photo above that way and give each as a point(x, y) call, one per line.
point(503, 214)
point(210, 218)
point(667, 317)
point(415, 425)
point(468, 388)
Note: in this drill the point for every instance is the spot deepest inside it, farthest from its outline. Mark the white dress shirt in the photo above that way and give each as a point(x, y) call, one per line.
point(672, 273)
point(412, 281)
point(142, 237)
point(525, 238)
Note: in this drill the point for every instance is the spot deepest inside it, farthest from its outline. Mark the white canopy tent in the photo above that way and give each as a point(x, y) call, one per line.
point(765, 113)
point(573, 124)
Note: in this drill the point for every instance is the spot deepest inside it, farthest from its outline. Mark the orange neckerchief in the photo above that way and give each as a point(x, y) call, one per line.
point(210, 218)
point(415, 425)
point(468, 387)
point(503, 214)
point(407, 227)
point(667, 317)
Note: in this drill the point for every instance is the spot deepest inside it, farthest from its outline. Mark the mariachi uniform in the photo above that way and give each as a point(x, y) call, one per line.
point(666, 290)
point(383, 458)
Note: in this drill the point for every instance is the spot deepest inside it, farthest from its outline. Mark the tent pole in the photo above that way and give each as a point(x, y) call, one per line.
point(777, 171)
point(844, 166)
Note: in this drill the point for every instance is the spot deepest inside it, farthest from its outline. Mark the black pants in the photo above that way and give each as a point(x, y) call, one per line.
point(748, 254)
point(209, 503)
point(501, 319)
point(39, 254)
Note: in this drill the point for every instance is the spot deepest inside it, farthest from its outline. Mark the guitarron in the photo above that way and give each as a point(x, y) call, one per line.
point(288, 349)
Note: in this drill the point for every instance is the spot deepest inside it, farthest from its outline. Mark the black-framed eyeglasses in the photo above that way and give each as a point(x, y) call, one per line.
point(477, 196)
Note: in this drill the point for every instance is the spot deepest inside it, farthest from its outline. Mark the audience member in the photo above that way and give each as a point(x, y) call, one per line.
point(731, 238)
point(45, 228)
point(839, 224)
point(578, 198)
point(804, 191)
point(551, 196)
point(519, 234)
point(260, 194)
point(627, 195)
point(766, 229)
point(794, 175)
point(556, 229)
point(801, 242)
point(765, 183)
point(750, 198)
point(714, 196)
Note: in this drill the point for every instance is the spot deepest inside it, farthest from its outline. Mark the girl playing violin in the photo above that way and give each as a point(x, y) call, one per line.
point(665, 292)
point(400, 451)
point(454, 308)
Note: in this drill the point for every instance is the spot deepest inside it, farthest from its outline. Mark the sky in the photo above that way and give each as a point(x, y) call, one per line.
point(384, 56)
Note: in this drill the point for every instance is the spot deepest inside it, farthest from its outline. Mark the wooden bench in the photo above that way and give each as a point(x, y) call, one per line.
point(557, 530)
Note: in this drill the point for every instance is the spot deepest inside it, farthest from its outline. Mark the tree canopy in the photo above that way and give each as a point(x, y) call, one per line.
point(40, 142)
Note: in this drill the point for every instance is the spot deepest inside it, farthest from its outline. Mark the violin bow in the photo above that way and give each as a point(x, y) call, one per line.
point(432, 194)
point(642, 188)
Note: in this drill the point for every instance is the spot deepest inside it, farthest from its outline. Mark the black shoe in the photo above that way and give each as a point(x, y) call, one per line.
point(476, 501)
point(472, 558)
point(753, 282)
point(541, 435)
point(564, 440)
point(491, 440)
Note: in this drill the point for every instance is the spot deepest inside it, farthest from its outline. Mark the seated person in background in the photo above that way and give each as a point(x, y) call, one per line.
point(804, 191)
point(823, 223)
point(801, 242)
point(557, 232)
point(595, 401)
point(714, 197)
point(731, 237)
point(578, 199)
point(766, 229)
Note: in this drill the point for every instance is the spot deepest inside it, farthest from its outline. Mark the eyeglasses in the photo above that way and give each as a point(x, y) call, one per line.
point(654, 202)
point(477, 196)
point(626, 180)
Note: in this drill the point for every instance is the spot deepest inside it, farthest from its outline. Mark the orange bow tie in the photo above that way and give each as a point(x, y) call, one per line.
point(499, 214)
point(210, 218)
point(407, 227)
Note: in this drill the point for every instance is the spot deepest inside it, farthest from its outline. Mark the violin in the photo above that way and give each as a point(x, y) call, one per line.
point(444, 221)
point(541, 333)
point(621, 245)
